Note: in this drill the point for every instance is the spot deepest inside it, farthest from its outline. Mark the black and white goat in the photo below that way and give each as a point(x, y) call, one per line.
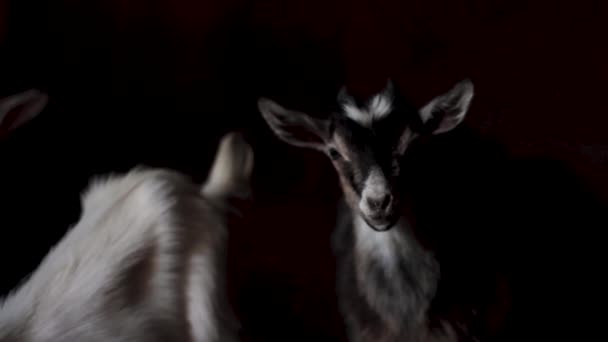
point(386, 278)
point(145, 261)
point(445, 236)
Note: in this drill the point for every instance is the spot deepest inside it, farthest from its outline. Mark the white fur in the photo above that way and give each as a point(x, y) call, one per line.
point(201, 287)
point(143, 263)
point(231, 169)
point(360, 116)
point(377, 245)
point(378, 107)
point(390, 251)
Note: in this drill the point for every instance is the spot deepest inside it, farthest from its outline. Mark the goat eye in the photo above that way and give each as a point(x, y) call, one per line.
point(333, 153)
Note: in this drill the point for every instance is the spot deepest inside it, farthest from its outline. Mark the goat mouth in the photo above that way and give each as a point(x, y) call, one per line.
point(381, 226)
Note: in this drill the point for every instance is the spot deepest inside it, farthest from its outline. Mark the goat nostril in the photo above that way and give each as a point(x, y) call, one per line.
point(372, 203)
point(386, 201)
point(382, 202)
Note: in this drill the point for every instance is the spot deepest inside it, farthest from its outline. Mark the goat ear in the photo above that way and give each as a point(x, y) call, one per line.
point(16, 110)
point(295, 128)
point(445, 112)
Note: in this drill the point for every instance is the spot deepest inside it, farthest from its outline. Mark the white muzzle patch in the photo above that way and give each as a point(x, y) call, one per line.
point(375, 188)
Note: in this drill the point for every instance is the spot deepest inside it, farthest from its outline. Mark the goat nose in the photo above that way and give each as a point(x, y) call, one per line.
point(379, 203)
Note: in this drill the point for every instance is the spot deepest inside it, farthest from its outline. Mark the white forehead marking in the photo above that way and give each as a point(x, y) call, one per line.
point(361, 116)
point(380, 106)
point(377, 108)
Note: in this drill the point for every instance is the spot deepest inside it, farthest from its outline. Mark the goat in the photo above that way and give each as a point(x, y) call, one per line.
point(386, 278)
point(442, 236)
point(145, 261)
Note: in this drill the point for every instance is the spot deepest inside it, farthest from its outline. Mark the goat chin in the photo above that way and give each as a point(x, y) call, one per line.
point(145, 261)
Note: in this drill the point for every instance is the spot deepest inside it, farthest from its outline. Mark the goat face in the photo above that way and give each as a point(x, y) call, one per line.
point(367, 140)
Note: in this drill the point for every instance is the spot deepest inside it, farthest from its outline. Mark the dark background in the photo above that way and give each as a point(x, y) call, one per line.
point(157, 82)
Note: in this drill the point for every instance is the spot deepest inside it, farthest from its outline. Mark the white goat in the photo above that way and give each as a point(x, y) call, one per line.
point(145, 261)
